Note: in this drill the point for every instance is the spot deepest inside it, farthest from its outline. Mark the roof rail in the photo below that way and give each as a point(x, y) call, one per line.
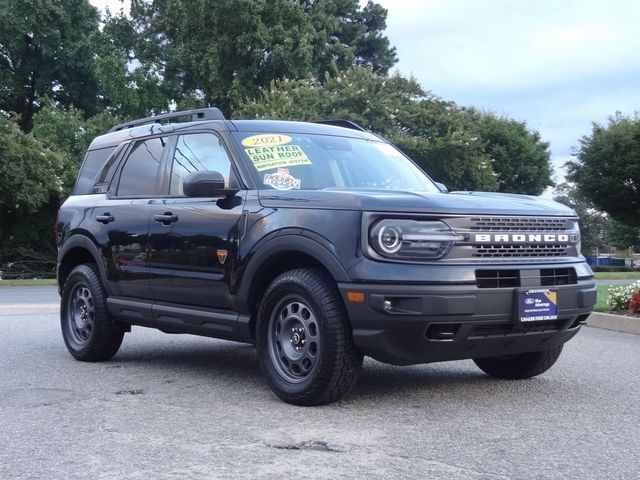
point(342, 123)
point(211, 113)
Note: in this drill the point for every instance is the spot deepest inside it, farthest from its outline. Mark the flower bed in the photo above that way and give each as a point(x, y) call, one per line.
point(625, 299)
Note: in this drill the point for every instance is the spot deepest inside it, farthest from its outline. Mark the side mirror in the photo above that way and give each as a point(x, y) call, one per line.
point(443, 188)
point(205, 184)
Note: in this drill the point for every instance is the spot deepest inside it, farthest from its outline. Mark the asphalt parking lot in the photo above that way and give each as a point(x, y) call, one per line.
point(181, 407)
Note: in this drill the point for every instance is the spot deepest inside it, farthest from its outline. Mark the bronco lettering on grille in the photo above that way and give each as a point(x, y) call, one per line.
point(520, 238)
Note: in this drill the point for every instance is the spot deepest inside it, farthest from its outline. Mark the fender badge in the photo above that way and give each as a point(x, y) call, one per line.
point(222, 256)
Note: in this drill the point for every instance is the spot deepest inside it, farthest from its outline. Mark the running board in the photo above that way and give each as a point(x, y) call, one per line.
point(225, 324)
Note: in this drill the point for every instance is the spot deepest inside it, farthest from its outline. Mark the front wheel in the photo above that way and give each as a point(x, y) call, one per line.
point(519, 366)
point(87, 328)
point(304, 341)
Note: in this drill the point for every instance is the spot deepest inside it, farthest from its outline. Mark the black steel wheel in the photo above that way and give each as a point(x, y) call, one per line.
point(519, 366)
point(304, 340)
point(87, 328)
point(294, 339)
point(81, 313)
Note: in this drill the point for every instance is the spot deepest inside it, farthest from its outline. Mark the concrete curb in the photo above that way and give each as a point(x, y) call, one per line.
point(619, 323)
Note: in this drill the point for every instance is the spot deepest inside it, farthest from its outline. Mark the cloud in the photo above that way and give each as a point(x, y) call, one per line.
point(557, 65)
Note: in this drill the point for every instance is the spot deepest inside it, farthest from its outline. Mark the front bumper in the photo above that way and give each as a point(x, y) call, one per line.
point(432, 323)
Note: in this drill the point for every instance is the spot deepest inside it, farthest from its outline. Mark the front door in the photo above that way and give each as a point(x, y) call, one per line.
point(193, 242)
point(124, 216)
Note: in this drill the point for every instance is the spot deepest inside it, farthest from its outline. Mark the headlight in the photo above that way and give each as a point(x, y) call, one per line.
point(412, 239)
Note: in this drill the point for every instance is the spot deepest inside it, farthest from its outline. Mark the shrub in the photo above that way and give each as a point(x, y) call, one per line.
point(602, 268)
point(634, 304)
point(620, 296)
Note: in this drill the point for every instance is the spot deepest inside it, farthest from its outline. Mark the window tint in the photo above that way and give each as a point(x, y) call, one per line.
point(198, 152)
point(140, 172)
point(92, 164)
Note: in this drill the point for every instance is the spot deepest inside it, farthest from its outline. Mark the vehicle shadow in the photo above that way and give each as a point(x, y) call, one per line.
point(233, 364)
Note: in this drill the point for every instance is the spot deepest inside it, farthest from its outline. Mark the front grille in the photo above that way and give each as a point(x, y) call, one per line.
point(546, 277)
point(497, 278)
point(489, 239)
point(521, 224)
point(551, 277)
point(520, 250)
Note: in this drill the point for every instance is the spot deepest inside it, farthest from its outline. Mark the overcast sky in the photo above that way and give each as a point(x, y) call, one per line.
point(557, 64)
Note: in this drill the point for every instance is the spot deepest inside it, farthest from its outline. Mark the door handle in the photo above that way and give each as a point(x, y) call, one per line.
point(105, 218)
point(166, 218)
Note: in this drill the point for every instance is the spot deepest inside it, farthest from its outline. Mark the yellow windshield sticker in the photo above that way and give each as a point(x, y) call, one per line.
point(270, 140)
point(265, 158)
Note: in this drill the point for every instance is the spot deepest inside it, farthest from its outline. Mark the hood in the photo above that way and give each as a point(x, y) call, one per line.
point(453, 203)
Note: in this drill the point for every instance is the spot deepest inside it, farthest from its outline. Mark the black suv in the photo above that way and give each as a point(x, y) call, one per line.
point(318, 242)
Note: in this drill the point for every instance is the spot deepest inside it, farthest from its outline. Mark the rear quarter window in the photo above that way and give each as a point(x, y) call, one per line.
point(93, 163)
point(139, 175)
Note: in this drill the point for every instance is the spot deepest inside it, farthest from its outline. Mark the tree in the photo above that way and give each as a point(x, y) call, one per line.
point(521, 159)
point(459, 147)
point(623, 236)
point(607, 168)
point(594, 224)
point(221, 52)
point(69, 134)
point(30, 180)
point(46, 49)
point(129, 87)
point(348, 35)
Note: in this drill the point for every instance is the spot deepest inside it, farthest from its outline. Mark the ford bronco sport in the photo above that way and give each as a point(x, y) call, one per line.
point(318, 242)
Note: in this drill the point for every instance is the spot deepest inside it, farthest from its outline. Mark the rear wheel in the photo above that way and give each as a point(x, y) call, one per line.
point(520, 366)
point(87, 328)
point(304, 340)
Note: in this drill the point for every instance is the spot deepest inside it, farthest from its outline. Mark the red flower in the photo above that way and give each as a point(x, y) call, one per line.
point(634, 304)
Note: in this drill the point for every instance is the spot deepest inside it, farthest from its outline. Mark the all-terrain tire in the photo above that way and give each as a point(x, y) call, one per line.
point(520, 366)
point(304, 339)
point(89, 332)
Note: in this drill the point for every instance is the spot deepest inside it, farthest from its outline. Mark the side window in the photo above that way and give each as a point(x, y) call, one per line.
point(198, 152)
point(140, 172)
point(92, 164)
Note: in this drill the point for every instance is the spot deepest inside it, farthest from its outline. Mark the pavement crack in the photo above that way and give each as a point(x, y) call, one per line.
point(130, 392)
point(311, 445)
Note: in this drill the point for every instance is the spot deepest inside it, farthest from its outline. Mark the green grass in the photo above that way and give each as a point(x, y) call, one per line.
point(617, 275)
point(28, 283)
point(603, 295)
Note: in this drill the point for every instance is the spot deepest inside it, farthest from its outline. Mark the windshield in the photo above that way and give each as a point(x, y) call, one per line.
point(311, 162)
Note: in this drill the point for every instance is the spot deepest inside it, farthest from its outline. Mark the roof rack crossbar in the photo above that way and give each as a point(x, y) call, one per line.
point(210, 113)
point(342, 123)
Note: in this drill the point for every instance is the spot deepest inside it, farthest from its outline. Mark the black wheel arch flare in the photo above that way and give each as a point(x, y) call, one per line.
point(73, 244)
point(318, 248)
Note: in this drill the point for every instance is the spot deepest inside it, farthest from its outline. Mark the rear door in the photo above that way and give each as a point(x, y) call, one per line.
point(124, 218)
point(193, 242)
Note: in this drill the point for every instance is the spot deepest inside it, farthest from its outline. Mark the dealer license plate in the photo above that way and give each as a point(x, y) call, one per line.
point(537, 304)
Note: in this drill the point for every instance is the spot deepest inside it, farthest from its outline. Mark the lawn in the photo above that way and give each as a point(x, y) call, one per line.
point(36, 282)
point(603, 295)
point(617, 275)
